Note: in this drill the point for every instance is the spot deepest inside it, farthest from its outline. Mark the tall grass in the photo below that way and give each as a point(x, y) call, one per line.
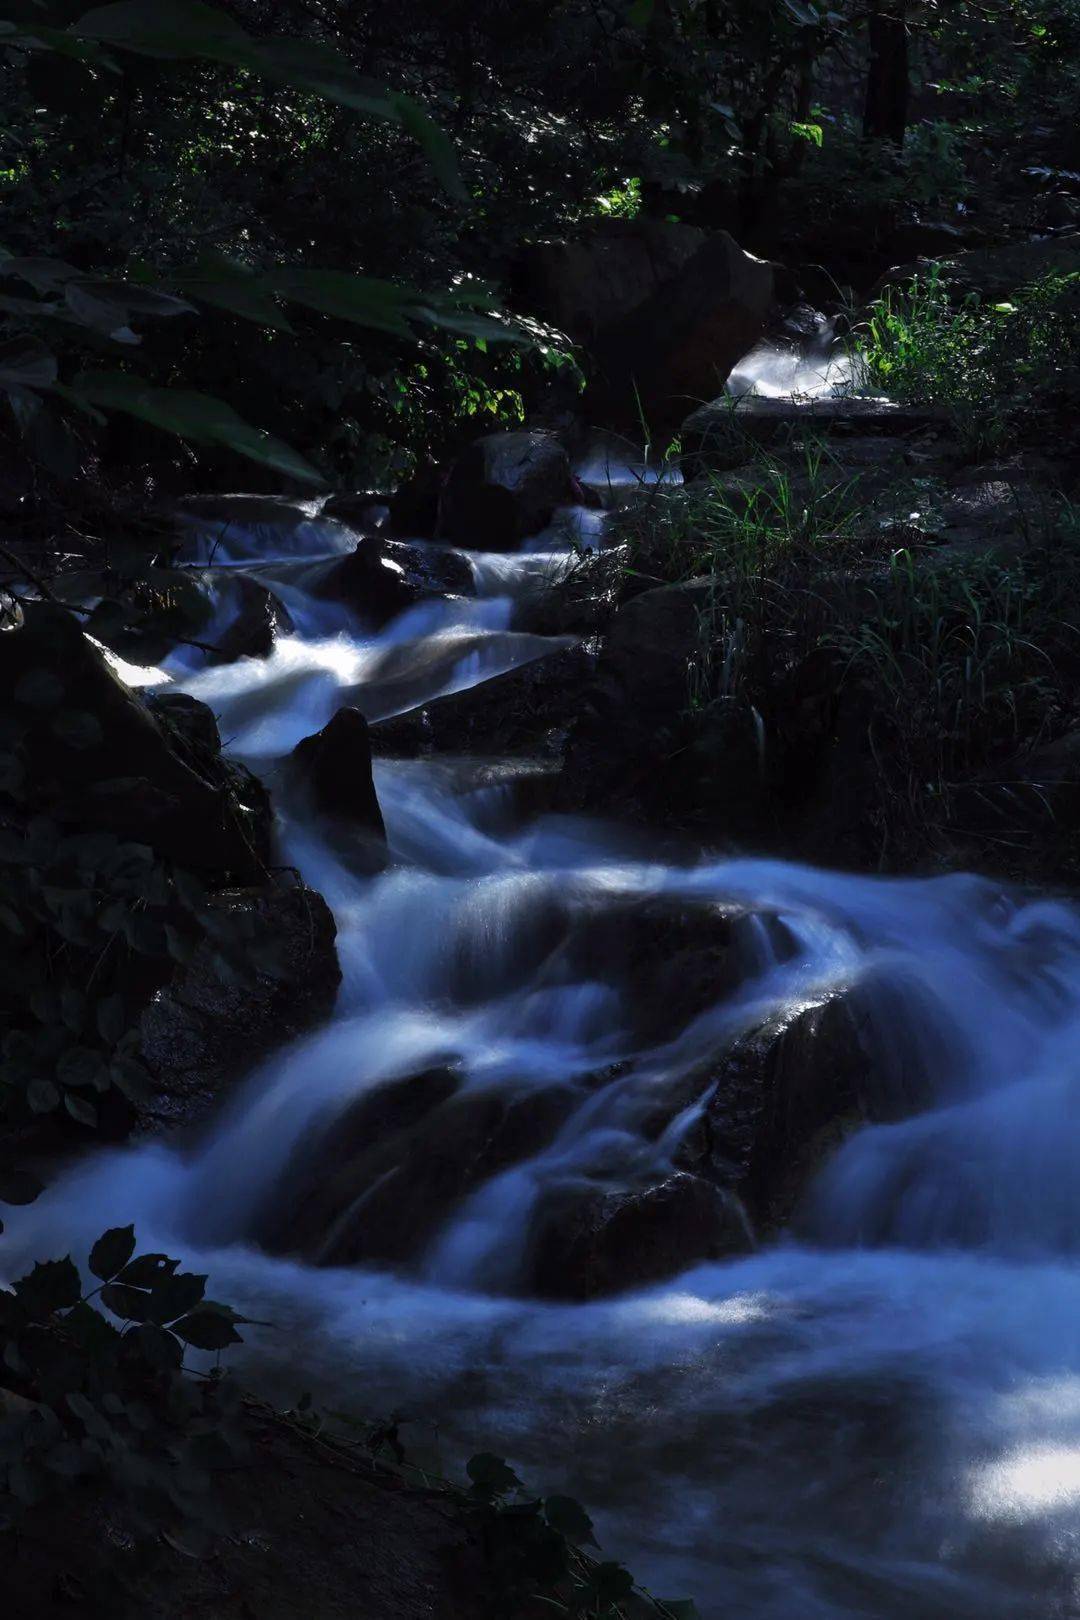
point(923, 344)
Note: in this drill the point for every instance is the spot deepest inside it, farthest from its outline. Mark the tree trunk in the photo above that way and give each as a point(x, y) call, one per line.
point(887, 86)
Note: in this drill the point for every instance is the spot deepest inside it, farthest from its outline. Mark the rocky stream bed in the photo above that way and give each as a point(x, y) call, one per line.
point(612, 1101)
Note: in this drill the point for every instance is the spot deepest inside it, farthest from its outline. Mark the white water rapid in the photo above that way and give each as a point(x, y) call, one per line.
point(880, 1421)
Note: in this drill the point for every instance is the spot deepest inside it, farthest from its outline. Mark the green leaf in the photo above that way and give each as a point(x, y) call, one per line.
point(362, 299)
point(19, 1187)
point(92, 1331)
point(491, 1474)
point(191, 415)
point(640, 13)
point(612, 1583)
point(440, 153)
point(130, 1304)
point(42, 1096)
point(110, 1017)
point(26, 363)
point(159, 1348)
point(53, 1285)
point(78, 1066)
point(44, 275)
point(109, 307)
point(131, 1079)
point(207, 1329)
point(166, 28)
point(73, 1011)
point(147, 1269)
point(80, 1109)
point(814, 133)
point(112, 1251)
point(176, 1295)
point(229, 285)
point(570, 1519)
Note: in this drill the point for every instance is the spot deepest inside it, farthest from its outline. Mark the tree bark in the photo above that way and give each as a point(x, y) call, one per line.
point(888, 87)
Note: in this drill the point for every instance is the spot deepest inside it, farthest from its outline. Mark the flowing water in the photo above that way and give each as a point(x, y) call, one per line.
point(881, 1420)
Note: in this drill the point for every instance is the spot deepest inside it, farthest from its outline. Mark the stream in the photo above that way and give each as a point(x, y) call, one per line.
point(879, 1420)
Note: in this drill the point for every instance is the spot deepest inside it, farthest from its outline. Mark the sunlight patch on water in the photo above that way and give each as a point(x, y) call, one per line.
point(1027, 1483)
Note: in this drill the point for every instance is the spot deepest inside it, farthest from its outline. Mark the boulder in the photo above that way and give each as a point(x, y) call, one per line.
point(98, 756)
point(728, 432)
point(594, 1241)
point(788, 1092)
point(525, 712)
point(639, 749)
point(362, 510)
point(671, 958)
point(252, 528)
point(382, 578)
point(679, 347)
point(258, 618)
point(333, 769)
point(379, 1183)
point(503, 488)
point(582, 286)
point(209, 1026)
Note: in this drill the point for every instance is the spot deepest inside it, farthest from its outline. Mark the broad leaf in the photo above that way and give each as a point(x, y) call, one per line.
point(167, 28)
point(19, 1187)
point(112, 1251)
point(130, 1304)
point(207, 1329)
point(53, 1285)
point(44, 275)
point(191, 415)
point(25, 363)
point(570, 1519)
point(223, 282)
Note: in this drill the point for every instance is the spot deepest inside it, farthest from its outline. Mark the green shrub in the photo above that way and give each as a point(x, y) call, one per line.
point(920, 344)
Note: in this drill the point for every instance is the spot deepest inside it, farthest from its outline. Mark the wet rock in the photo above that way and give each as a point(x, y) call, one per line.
point(584, 285)
point(682, 343)
point(925, 239)
point(382, 1181)
point(640, 750)
point(98, 756)
point(729, 432)
point(671, 959)
point(259, 618)
point(210, 1025)
point(789, 1092)
point(525, 712)
point(364, 510)
point(333, 769)
point(382, 578)
point(216, 528)
point(503, 488)
point(595, 1242)
point(578, 598)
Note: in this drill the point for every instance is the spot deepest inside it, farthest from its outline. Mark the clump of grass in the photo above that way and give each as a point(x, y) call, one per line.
point(781, 513)
point(963, 665)
point(921, 344)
